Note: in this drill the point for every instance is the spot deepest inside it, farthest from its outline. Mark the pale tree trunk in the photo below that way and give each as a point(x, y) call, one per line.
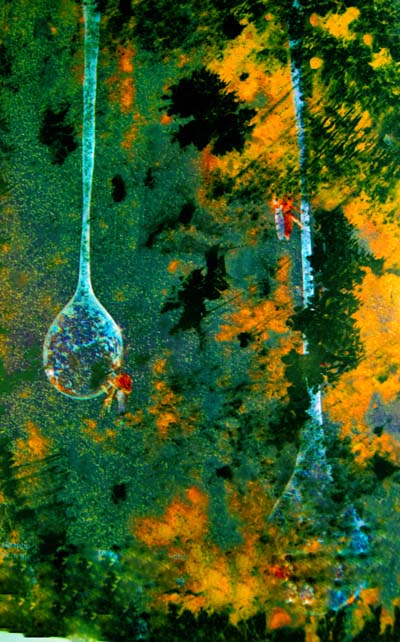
point(311, 458)
point(305, 209)
point(311, 476)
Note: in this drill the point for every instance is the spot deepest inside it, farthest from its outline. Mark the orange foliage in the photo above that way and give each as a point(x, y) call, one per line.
point(265, 321)
point(208, 163)
point(362, 612)
point(122, 89)
point(165, 119)
point(173, 266)
point(33, 448)
point(254, 574)
point(185, 520)
point(350, 401)
point(266, 317)
point(168, 408)
point(378, 226)
point(28, 453)
point(337, 24)
point(165, 407)
point(278, 617)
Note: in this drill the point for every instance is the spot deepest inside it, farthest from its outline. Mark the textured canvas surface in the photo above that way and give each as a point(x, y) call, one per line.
point(244, 238)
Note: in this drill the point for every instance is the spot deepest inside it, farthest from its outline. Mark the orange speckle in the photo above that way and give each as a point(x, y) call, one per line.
point(315, 62)
point(127, 94)
point(53, 30)
point(159, 366)
point(313, 546)
point(129, 137)
point(370, 596)
point(314, 19)
point(183, 60)
point(5, 248)
point(368, 39)
point(165, 119)
point(173, 266)
point(164, 421)
point(196, 496)
point(125, 61)
point(278, 617)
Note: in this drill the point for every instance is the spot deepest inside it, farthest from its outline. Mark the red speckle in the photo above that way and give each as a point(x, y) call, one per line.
point(279, 571)
point(123, 381)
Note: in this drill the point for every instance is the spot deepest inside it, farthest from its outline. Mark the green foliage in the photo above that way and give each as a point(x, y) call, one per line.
point(333, 627)
point(337, 263)
point(185, 26)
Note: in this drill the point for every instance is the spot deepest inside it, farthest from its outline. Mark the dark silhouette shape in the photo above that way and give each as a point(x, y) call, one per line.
point(119, 493)
point(118, 188)
point(186, 213)
point(197, 287)
point(225, 472)
point(149, 180)
point(57, 134)
point(216, 114)
point(245, 339)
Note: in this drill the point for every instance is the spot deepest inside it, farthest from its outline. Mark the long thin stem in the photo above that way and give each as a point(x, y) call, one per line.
point(91, 49)
point(305, 214)
point(315, 411)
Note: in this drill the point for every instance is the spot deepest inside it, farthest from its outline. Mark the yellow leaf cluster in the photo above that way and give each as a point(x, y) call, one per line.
point(381, 59)
point(377, 225)
point(368, 597)
point(337, 24)
point(349, 402)
point(263, 318)
point(164, 407)
point(316, 63)
point(30, 450)
point(33, 448)
point(254, 575)
point(238, 58)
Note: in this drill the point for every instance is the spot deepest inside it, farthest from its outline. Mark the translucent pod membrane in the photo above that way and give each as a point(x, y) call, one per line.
point(82, 347)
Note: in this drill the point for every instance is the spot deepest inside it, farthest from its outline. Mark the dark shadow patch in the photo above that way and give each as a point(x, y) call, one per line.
point(245, 338)
point(186, 213)
point(5, 62)
point(57, 134)
point(225, 472)
point(119, 493)
point(149, 179)
point(118, 192)
point(195, 289)
point(327, 322)
point(217, 116)
point(231, 27)
point(383, 467)
point(185, 216)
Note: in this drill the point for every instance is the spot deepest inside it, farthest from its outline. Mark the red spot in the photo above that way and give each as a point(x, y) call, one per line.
point(123, 381)
point(280, 571)
point(287, 206)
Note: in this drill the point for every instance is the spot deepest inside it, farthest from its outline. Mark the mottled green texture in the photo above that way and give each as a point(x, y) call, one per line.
point(174, 256)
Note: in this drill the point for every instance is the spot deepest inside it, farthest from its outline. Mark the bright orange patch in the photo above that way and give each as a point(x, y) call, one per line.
point(278, 617)
point(173, 266)
point(165, 119)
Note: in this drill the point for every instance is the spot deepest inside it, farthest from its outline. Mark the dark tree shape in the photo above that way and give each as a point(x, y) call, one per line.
point(197, 287)
point(327, 322)
point(118, 188)
point(216, 114)
point(57, 134)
